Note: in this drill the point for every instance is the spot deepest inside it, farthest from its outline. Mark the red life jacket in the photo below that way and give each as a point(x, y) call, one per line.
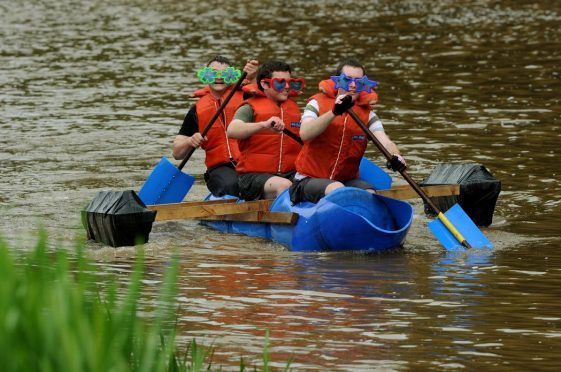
point(267, 151)
point(219, 148)
point(336, 153)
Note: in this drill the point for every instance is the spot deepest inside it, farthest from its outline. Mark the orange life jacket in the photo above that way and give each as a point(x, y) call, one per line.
point(267, 151)
point(219, 148)
point(336, 153)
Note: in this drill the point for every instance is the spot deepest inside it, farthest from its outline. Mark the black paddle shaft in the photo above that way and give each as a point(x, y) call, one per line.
point(214, 117)
point(388, 156)
point(295, 137)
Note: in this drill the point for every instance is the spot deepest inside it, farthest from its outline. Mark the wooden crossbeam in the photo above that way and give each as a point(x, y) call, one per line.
point(258, 210)
point(287, 218)
point(188, 210)
point(404, 192)
point(191, 203)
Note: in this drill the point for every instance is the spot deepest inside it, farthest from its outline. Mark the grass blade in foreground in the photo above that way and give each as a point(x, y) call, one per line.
point(55, 317)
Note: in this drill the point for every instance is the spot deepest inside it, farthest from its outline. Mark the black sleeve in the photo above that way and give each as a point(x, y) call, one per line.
point(190, 124)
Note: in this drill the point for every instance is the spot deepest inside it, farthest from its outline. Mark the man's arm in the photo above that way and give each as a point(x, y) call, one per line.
point(386, 142)
point(188, 137)
point(243, 126)
point(396, 162)
point(313, 125)
point(376, 127)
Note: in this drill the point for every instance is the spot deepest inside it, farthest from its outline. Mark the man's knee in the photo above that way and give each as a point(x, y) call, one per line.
point(282, 184)
point(332, 187)
point(275, 185)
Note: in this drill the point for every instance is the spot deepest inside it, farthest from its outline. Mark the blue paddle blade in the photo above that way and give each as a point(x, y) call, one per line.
point(461, 221)
point(166, 184)
point(374, 175)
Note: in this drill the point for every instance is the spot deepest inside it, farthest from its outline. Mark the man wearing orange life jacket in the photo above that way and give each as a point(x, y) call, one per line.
point(267, 155)
point(333, 143)
point(221, 152)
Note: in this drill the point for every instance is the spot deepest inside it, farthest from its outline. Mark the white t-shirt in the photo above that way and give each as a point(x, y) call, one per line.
point(312, 111)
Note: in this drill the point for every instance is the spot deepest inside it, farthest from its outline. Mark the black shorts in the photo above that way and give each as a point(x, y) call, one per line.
point(252, 185)
point(222, 180)
point(313, 189)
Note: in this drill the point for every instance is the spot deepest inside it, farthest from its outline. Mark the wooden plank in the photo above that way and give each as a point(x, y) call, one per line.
point(403, 192)
point(187, 210)
point(229, 207)
point(156, 207)
point(286, 218)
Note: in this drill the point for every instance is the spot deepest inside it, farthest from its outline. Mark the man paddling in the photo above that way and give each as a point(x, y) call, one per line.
point(267, 155)
point(333, 143)
point(221, 152)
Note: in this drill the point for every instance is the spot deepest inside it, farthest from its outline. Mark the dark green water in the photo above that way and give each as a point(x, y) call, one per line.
point(92, 94)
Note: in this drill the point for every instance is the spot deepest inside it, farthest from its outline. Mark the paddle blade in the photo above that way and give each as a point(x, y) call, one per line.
point(374, 175)
point(166, 184)
point(461, 221)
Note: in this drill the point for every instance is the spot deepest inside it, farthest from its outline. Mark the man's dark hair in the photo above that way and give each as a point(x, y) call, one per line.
point(265, 71)
point(219, 59)
point(349, 62)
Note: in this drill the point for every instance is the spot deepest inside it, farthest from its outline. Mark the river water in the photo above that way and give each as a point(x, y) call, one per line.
point(93, 92)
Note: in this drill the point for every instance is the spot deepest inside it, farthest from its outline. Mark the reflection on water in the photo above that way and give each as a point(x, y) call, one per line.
point(92, 93)
point(390, 310)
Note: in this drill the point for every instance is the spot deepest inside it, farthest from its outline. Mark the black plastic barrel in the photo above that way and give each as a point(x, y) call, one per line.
point(118, 218)
point(479, 190)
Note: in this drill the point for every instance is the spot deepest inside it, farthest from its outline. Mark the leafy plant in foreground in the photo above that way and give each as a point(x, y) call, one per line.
point(54, 317)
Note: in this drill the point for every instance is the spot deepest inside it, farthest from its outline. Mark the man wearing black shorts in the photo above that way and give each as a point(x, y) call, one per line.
point(334, 143)
point(267, 154)
point(221, 152)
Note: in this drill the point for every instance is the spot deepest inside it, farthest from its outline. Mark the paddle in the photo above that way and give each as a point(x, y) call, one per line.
point(293, 136)
point(448, 225)
point(168, 184)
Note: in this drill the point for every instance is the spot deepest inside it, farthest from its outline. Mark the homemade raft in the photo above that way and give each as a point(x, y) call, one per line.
point(347, 219)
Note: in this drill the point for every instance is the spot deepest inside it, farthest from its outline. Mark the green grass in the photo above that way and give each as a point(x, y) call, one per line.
point(54, 316)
